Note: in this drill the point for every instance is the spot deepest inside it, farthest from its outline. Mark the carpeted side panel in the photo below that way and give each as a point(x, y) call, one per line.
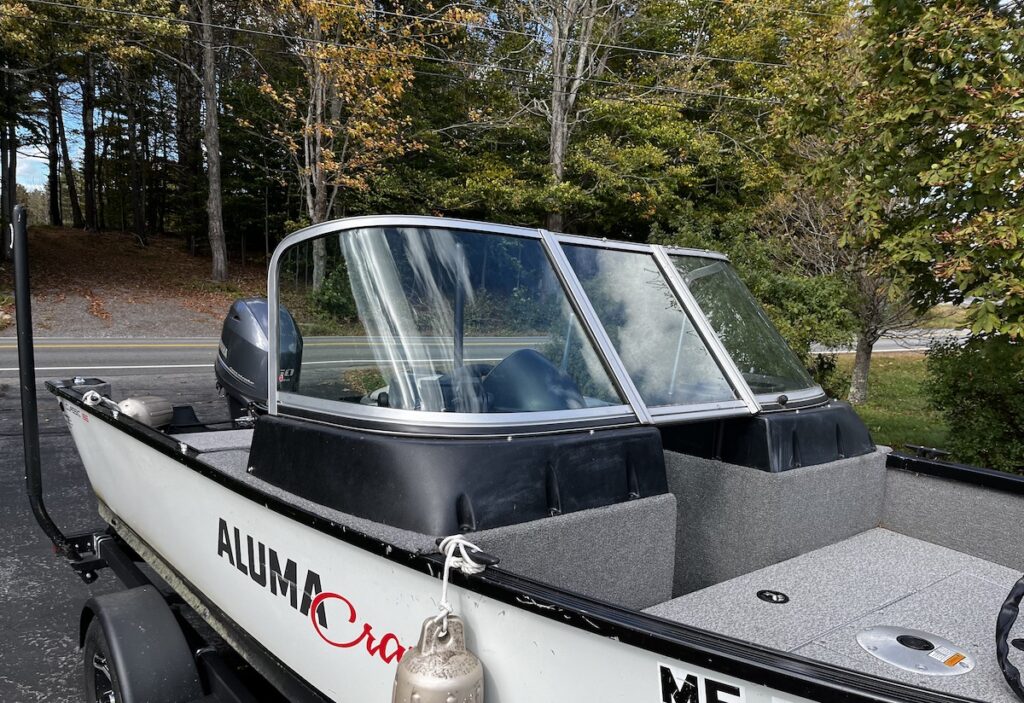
point(621, 553)
point(733, 519)
point(973, 519)
point(235, 463)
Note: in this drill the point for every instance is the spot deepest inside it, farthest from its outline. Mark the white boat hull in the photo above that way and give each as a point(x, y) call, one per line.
point(203, 530)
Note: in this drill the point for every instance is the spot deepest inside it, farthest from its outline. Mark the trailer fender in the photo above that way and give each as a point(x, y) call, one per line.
point(146, 646)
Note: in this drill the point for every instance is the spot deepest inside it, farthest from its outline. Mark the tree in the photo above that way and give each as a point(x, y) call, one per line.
point(91, 215)
point(211, 137)
point(807, 219)
point(338, 118)
point(16, 59)
point(807, 224)
point(936, 144)
point(78, 221)
point(576, 35)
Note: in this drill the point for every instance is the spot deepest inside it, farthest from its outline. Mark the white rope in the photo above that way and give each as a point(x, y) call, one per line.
point(456, 556)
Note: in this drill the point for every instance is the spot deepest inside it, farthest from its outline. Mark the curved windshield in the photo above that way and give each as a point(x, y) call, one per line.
point(759, 351)
point(652, 334)
point(438, 320)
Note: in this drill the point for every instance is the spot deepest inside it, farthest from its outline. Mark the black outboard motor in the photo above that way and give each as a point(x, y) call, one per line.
point(241, 366)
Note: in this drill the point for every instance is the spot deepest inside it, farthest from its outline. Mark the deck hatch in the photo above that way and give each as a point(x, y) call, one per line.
point(914, 650)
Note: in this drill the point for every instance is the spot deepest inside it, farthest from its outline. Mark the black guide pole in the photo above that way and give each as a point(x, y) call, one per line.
point(27, 370)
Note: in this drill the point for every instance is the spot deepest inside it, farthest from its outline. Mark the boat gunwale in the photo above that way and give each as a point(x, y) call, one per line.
point(753, 664)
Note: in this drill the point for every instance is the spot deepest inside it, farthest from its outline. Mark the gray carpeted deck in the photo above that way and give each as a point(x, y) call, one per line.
point(875, 578)
point(219, 441)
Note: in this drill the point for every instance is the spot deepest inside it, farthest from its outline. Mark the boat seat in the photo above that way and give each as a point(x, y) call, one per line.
point(622, 553)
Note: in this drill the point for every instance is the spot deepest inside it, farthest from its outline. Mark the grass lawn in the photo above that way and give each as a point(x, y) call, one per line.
point(897, 412)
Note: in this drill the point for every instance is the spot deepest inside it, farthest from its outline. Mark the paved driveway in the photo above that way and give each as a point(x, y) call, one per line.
point(40, 597)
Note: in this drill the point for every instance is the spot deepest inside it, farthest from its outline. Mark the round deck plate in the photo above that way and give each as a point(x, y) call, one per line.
point(942, 658)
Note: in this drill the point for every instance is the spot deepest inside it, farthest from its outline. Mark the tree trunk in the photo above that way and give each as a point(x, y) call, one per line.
point(5, 186)
point(89, 145)
point(12, 169)
point(135, 170)
point(189, 176)
point(77, 221)
point(861, 368)
point(52, 152)
point(101, 170)
point(319, 262)
point(558, 135)
point(211, 136)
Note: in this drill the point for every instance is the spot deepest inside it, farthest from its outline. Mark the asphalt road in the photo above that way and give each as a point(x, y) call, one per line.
point(908, 341)
point(40, 596)
point(146, 357)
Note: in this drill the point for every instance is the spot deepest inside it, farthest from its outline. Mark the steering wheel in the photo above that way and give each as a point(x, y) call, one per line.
point(1004, 623)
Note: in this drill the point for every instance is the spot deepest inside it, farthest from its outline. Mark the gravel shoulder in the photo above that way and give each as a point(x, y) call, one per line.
point(68, 316)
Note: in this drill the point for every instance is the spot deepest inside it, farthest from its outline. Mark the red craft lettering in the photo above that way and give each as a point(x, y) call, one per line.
point(388, 648)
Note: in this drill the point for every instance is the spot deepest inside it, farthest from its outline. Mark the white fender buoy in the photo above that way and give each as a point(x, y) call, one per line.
point(439, 669)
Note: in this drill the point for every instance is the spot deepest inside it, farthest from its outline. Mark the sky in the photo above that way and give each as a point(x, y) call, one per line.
point(31, 172)
point(32, 169)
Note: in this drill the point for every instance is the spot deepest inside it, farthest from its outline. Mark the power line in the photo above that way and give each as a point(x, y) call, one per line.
point(597, 45)
point(422, 57)
point(418, 72)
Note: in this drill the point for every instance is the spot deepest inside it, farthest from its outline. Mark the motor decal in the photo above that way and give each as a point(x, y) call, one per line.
point(266, 568)
point(680, 686)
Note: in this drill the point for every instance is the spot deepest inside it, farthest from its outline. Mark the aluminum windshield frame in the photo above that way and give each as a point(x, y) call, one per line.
point(744, 403)
point(802, 397)
point(633, 411)
point(438, 422)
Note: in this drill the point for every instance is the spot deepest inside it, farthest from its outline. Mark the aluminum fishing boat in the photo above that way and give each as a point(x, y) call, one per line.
point(651, 499)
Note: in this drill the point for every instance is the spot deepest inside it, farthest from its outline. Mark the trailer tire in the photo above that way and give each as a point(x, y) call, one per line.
point(135, 652)
point(101, 682)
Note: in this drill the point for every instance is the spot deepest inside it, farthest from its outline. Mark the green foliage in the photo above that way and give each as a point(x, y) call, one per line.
point(827, 372)
point(804, 309)
point(333, 300)
point(977, 388)
point(936, 142)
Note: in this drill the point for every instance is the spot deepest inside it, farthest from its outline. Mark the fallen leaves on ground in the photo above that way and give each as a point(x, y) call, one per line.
point(70, 261)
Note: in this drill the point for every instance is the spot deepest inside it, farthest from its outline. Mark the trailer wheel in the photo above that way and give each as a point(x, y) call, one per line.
point(134, 650)
point(101, 681)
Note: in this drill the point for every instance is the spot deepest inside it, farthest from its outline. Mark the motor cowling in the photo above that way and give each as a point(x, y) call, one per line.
point(242, 357)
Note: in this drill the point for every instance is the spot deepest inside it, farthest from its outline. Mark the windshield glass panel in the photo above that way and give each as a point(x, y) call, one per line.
point(655, 338)
point(758, 350)
point(437, 320)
